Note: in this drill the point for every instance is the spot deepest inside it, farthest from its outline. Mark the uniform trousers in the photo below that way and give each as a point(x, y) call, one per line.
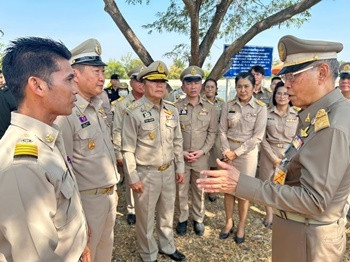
point(157, 200)
point(100, 211)
point(129, 197)
point(192, 173)
point(294, 241)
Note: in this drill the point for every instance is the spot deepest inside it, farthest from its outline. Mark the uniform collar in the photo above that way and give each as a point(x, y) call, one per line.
point(325, 103)
point(251, 102)
point(45, 133)
point(82, 104)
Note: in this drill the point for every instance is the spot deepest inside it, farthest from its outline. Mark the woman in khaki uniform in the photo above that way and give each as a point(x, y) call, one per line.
point(282, 122)
point(210, 89)
point(242, 127)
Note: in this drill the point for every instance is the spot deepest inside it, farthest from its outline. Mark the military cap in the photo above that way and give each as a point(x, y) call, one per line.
point(135, 71)
point(297, 53)
point(122, 85)
point(155, 71)
point(87, 53)
point(192, 73)
point(344, 70)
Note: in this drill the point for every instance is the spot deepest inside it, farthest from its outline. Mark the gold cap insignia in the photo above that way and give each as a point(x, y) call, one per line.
point(160, 68)
point(49, 138)
point(98, 49)
point(347, 68)
point(193, 71)
point(282, 51)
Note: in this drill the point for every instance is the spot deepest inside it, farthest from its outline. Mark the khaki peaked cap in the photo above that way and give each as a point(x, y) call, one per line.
point(155, 71)
point(192, 73)
point(87, 53)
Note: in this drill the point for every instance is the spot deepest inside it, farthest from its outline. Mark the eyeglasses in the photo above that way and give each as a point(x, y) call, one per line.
point(291, 76)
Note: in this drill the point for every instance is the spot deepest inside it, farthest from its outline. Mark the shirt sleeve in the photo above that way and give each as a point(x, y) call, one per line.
point(27, 224)
point(259, 131)
point(225, 146)
point(178, 147)
point(129, 140)
point(265, 145)
point(212, 131)
point(321, 175)
point(117, 124)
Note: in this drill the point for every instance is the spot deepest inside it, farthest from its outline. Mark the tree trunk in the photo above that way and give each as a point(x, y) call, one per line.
point(236, 46)
point(112, 9)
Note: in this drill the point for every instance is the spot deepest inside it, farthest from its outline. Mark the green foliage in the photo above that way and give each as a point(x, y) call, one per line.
point(121, 67)
point(241, 15)
point(176, 69)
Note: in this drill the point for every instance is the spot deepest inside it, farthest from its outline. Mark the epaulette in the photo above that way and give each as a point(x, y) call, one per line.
point(113, 103)
point(168, 102)
point(220, 99)
point(259, 102)
point(26, 147)
point(296, 108)
point(109, 85)
point(134, 105)
point(268, 89)
point(321, 120)
point(231, 100)
point(121, 98)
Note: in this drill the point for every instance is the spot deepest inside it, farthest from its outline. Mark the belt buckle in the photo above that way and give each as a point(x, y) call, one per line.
point(163, 167)
point(108, 190)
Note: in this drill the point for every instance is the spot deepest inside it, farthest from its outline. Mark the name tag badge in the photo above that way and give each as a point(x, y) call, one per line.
point(86, 124)
point(149, 120)
point(297, 142)
point(279, 175)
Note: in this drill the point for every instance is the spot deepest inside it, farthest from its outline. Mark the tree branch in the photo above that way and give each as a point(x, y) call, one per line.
point(112, 9)
point(213, 30)
point(257, 28)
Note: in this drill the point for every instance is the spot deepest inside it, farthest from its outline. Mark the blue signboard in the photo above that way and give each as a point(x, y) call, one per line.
point(250, 56)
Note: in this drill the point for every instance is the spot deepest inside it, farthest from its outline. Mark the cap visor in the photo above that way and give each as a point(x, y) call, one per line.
point(92, 63)
point(293, 68)
point(192, 79)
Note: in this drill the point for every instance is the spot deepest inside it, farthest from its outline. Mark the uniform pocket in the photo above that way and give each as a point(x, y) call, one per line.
point(90, 141)
point(66, 210)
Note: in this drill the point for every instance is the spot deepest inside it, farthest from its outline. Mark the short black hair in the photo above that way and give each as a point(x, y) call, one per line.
point(258, 69)
point(31, 56)
point(276, 78)
point(114, 76)
point(245, 75)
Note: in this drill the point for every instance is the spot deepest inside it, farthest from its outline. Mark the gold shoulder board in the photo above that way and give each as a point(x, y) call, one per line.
point(260, 103)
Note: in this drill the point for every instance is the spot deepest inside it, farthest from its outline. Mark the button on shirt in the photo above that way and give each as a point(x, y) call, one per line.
point(41, 216)
point(318, 171)
point(243, 123)
point(279, 129)
point(88, 142)
point(151, 137)
point(198, 125)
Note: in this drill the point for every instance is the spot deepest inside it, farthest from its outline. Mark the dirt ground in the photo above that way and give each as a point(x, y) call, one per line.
point(209, 247)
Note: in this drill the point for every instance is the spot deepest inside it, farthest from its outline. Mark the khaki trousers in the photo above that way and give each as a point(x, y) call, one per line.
point(198, 210)
point(100, 211)
point(157, 200)
point(293, 241)
point(129, 197)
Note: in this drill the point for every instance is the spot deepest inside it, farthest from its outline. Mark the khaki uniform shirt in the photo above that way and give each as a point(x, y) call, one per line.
point(279, 130)
point(88, 142)
point(41, 216)
point(218, 103)
point(119, 111)
point(198, 125)
point(243, 124)
point(318, 169)
point(151, 137)
point(107, 108)
point(264, 95)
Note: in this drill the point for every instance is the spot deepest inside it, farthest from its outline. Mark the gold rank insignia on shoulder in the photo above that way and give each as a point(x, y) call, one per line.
point(152, 135)
point(303, 132)
point(168, 112)
point(120, 99)
point(26, 147)
point(296, 108)
point(113, 103)
point(322, 120)
point(259, 102)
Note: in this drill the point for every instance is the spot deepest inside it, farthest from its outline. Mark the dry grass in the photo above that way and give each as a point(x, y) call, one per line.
point(208, 247)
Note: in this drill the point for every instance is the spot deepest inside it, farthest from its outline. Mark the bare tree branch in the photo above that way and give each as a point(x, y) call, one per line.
point(213, 30)
point(257, 28)
point(112, 9)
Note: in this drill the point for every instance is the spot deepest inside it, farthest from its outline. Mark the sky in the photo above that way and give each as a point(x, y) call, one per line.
point(74, 21)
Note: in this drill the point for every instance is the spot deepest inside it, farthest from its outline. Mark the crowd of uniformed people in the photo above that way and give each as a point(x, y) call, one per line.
point(70, 142)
